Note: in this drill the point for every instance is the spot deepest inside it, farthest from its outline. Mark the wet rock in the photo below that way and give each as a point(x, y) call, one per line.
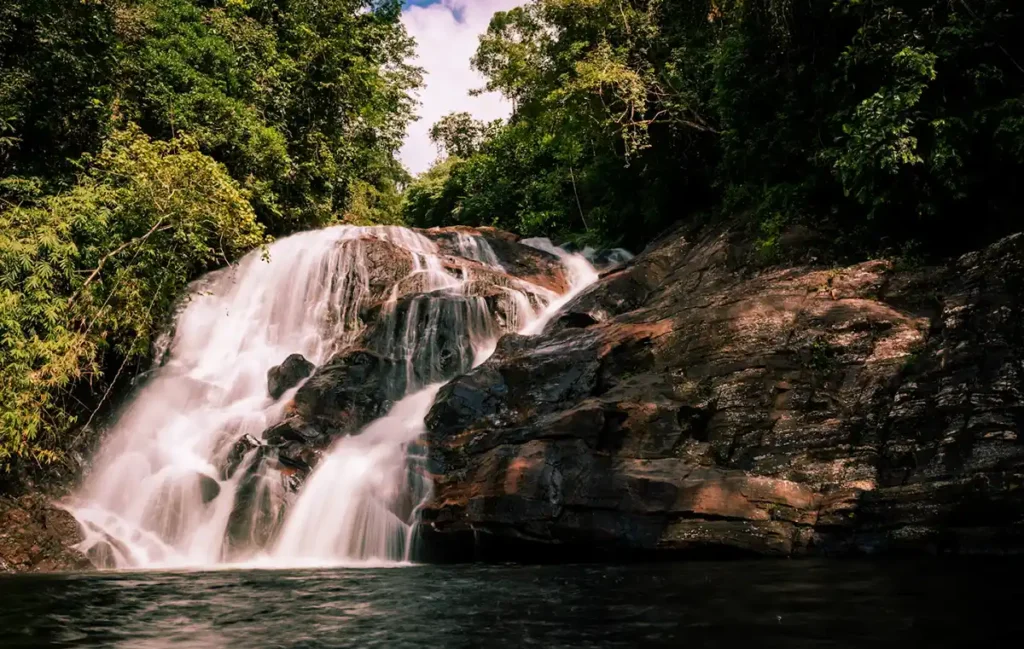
point(288, 374)
point(209, 488)
point(105, 552)
point(532, 265)
point(689, 403)
point(292, 429)
point(38, 536)
point(607, 258)
point(258, 512)
point(506, 300)
point(413, 336)
point(415, 340)
point(102, 556)
point(345, 394)
point(239, 450)
point(349, 391)
point(435, 332)
point(382, 265)
point(268, 472)
point(366, 273)
point(522, 262)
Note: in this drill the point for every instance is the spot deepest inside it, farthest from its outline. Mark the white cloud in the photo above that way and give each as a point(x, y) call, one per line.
point(447, 34)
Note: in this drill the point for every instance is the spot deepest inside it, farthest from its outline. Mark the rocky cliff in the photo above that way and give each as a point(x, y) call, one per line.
point(689, 403)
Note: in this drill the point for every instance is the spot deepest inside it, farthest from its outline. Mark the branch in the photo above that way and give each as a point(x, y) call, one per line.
point(95, 273)
point(106, 394)
point(110, 386)
point(997, 43)
point(677, 120)
point(579, 206)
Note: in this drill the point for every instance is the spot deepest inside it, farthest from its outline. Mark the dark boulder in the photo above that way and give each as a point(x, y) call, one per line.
point(384, 264)
point(209, 488)
point(258, 511)
point(295, 446)
point(689, 402)
point(431, 335)
point(608, 258)
point(239, 450)
point(106, 552)
point(260, 499)
point(343, 395)
point(288, 374)
point(349, 391)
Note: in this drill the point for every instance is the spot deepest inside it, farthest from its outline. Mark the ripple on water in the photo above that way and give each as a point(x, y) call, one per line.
point(791, 604)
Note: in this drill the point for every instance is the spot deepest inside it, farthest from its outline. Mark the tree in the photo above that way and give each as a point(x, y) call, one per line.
point(875, 123)
point(594, 84)
point(57, 84)
point(144, 142)
point(303, 101)
point(459, 135)
point(87, 276)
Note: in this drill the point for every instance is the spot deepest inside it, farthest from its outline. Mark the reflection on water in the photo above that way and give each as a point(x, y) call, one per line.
point(790, 604)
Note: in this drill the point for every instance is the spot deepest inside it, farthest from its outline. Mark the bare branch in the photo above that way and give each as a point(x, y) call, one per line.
point(127, 244)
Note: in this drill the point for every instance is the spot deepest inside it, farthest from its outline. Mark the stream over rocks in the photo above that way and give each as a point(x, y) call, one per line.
point(281, 426)
point(462, 394)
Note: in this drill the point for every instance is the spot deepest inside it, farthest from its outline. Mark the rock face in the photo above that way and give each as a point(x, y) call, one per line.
point(288, 374)
point(410, 333)
point(687, 403)
point(35, 536)
point(349, 391)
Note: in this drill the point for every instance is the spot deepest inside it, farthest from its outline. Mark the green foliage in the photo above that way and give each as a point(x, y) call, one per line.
point(144, 142)
point(434, 199)
point(879, 135)
point(873, 122)
point(459, 135)
point(87, 276)
point(595, 86)
point(57, 76)
point(303, 101)
point(880, 121)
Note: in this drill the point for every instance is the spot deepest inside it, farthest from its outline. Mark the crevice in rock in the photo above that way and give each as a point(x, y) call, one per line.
point(578, 320)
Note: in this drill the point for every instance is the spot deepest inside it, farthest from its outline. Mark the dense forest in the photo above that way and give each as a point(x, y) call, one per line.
point(144, 142)
point(892, 126)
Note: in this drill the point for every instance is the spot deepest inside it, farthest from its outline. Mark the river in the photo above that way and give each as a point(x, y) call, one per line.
point(791, 604)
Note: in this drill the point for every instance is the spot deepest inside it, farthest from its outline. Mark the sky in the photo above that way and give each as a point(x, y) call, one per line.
point(446, 33)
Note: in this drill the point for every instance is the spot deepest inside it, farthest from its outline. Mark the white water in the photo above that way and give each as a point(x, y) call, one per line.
point(581, 275)
point(159, 494)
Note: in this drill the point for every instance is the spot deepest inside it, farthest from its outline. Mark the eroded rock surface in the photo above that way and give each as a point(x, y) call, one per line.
point(688, 403)
point(36, 536)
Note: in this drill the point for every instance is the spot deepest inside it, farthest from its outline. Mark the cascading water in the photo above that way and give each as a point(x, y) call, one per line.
point(170, 486)
point(581, 273)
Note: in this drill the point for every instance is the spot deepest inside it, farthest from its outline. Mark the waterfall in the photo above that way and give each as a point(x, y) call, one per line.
point(184, 466)
point(581, 275)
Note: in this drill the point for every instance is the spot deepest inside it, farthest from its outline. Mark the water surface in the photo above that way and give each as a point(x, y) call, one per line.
point(790, 604)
